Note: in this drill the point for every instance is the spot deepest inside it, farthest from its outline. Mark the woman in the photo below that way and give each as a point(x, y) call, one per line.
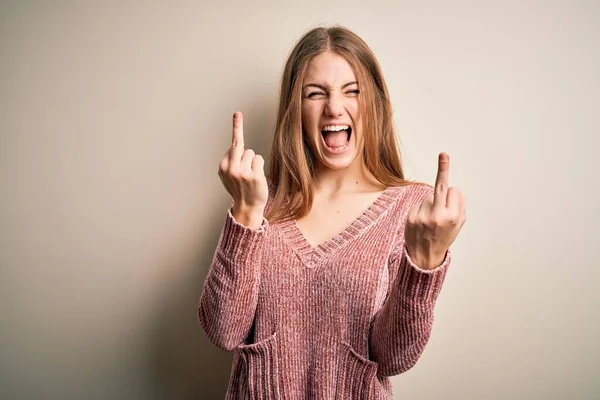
point(325, 276)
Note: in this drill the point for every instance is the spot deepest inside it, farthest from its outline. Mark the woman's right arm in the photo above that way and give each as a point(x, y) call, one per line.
point(230, 292)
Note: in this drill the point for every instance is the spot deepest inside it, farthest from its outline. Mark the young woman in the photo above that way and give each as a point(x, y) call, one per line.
point(326, 274)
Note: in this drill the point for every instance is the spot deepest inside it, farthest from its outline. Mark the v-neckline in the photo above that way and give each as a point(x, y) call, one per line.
point(311, 255)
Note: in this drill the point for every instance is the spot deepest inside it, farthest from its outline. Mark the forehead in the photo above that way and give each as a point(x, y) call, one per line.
point(329, 69)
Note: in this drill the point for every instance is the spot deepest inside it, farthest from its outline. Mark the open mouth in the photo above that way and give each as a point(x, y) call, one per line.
point(337, 140)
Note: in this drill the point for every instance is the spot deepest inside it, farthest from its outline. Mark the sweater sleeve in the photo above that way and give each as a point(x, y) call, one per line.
point(401, 328)
point(230, 292)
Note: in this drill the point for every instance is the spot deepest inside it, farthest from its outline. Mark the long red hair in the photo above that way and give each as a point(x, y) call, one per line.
point(290, 167)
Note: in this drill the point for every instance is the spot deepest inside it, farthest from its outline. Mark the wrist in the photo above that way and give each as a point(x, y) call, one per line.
point(427, 262)
point(251, 217)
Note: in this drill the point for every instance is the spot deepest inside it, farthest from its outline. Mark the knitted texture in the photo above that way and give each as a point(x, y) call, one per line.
point(332, 321)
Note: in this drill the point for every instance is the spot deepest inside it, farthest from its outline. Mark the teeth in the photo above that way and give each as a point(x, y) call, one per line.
point(335, 127)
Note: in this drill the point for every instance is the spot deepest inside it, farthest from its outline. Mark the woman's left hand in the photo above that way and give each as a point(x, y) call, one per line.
point(433, 225)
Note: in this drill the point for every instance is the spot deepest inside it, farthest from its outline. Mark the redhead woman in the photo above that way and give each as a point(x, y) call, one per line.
point(330, 262)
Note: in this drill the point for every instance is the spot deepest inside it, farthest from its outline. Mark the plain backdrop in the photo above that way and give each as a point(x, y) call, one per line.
point(114, 116)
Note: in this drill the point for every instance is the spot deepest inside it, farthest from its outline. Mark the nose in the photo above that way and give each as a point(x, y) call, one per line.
point(335, 106)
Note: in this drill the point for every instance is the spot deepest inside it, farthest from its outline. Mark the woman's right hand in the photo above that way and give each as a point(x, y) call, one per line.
point(242, 174)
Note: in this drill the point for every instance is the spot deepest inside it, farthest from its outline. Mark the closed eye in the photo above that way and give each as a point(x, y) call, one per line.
point(313, 94)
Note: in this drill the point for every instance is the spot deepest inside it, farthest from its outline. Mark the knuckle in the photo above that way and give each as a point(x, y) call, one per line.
point(415, 219)
point(233, 173)
point(246, 175)
point(255, 178)
point(437, 220)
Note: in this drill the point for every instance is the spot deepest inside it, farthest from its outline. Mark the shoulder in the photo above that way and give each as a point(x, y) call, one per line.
point(418, 191)
point(411, 193)
point(406, 196)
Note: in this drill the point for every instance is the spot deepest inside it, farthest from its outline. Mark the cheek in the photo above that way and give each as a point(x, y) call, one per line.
point(353, 109)
point(310, 115)
point(356, 109)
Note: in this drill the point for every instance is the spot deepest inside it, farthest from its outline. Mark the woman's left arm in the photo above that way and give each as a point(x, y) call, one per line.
point(402, 327)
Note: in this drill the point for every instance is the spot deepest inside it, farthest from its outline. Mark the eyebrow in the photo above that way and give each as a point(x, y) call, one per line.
point(324, 88)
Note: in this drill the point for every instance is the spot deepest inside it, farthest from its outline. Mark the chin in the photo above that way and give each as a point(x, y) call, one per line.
point(337, 163)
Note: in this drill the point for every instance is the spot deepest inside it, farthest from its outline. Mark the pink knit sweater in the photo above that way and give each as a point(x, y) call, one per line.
point(327, 322)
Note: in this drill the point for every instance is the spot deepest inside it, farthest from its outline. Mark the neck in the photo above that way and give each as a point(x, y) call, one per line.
point(354, 178)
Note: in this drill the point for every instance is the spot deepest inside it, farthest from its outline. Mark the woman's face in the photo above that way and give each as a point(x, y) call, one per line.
point(330, 113)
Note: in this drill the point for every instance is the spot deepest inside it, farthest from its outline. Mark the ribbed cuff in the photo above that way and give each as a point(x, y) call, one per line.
point(421, 285)
point(239, 241)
